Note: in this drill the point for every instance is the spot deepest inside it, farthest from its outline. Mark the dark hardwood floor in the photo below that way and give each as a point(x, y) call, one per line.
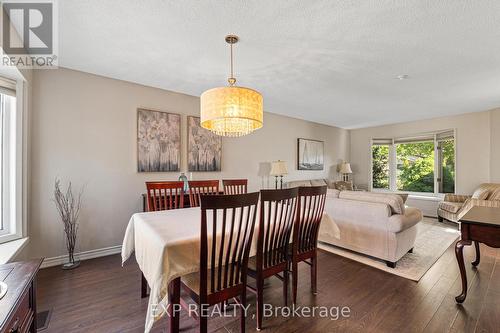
point(101, 296)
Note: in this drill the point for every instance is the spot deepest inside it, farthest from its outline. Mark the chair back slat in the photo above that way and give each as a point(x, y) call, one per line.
point(235, 186)
point(164, 195)
point(233, 222)
point(197, 188)
point(310, 209)
point(277, 216)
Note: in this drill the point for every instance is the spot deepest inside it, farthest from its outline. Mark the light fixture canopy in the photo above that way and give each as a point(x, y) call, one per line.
point(231, 111)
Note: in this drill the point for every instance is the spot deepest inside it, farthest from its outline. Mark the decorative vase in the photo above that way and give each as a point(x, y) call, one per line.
point(71, 241)
point(184, 179)
point(72, 263)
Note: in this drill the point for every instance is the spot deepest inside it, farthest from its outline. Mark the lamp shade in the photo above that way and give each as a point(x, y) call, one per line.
point(231, 111)
point(278, 168)
point(345, 168)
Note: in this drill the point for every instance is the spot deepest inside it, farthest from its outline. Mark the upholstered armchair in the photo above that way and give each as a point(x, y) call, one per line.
point(455, 206)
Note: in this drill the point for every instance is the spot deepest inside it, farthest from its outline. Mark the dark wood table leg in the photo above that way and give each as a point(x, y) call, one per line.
point(478, 254)
point(174, 295)
point(459, 252)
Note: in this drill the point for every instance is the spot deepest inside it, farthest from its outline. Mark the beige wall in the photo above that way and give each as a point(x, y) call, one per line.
point(495, 146)
point(84, 130)
point(473, 146)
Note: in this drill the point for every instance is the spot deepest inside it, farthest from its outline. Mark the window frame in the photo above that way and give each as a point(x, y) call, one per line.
point(393, 163)
point(13, 168)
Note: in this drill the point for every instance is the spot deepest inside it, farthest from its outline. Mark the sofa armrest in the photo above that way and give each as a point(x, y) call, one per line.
point(456, 197)
point(469, 203)
point(401, 222)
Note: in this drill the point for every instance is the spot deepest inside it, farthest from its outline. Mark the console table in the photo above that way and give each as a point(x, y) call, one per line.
point(18, 306)
point(478, 225)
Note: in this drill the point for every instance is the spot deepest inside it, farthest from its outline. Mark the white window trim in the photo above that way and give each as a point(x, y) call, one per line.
point(393, 168)
point(15, 171)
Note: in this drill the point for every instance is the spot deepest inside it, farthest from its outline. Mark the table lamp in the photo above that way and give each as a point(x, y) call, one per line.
point(345, 170)
point(278, 169)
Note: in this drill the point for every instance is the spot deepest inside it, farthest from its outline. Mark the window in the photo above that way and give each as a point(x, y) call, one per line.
point(446, 162)
point(380, 165)
point(415, 167)
point(421, 164)
point(10, 151)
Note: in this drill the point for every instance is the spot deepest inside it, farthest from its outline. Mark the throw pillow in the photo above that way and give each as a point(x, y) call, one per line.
point(481, 193)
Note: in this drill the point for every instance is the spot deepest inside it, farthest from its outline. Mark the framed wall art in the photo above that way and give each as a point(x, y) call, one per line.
point(158, 141)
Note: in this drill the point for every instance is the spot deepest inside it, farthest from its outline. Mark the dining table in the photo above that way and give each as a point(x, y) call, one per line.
point(167, 246)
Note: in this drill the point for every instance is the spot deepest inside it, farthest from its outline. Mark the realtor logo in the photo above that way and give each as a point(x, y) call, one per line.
point(29, 34)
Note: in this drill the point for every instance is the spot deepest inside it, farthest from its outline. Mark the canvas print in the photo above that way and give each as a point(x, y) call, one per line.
point(204, 147)
point(158, 141)
point(310, 154)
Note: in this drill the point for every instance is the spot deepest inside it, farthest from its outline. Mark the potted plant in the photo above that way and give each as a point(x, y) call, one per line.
point(68, 207)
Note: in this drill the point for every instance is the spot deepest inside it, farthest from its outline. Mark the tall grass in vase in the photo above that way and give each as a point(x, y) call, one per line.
point(68, 205)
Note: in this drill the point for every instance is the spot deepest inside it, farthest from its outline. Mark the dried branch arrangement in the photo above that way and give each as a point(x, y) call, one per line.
point(68, 207)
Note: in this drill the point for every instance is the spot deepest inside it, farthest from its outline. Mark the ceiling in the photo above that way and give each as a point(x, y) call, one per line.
point(331, 62)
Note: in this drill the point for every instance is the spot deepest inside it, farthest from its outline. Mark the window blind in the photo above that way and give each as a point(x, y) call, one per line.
point(446, 135)
point(382, 142)
point(414, 139)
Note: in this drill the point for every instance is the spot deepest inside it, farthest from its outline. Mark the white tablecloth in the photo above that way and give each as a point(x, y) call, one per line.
point(167, 246)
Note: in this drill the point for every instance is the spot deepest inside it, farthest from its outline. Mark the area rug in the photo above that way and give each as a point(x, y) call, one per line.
point(433, 238)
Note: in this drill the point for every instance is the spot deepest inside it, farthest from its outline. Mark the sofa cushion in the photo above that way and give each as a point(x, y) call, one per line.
point(452, 207)
point(318, 182)
point(298, 183)
point(332, 193)
point(394, 201)
point(411, 217)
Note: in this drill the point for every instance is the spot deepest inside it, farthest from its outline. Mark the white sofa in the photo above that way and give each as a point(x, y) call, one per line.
point(375, 224)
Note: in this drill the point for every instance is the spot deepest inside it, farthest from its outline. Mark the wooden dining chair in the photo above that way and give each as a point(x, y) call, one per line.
point(235, 186)
point(164, 195)
point(197, 188)
point(277, 215)
point(223, 260)
point(311, 204)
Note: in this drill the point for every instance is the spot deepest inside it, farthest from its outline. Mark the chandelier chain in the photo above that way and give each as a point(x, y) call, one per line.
point(232, 79)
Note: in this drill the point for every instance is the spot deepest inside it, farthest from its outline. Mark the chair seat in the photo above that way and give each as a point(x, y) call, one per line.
point(451, 207)
point(252, 261)
point(192, 280)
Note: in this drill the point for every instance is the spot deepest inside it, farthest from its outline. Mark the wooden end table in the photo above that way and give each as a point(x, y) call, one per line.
point(478, 225)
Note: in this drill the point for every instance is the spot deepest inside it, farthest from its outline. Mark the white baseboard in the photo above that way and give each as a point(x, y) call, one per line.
point(85, 255)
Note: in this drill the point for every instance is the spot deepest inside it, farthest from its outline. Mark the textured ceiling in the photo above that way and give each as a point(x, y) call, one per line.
point(332, 62)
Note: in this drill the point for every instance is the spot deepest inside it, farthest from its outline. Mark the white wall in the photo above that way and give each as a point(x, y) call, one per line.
point(84, 130)
point(495, 146)
point(473, 142)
